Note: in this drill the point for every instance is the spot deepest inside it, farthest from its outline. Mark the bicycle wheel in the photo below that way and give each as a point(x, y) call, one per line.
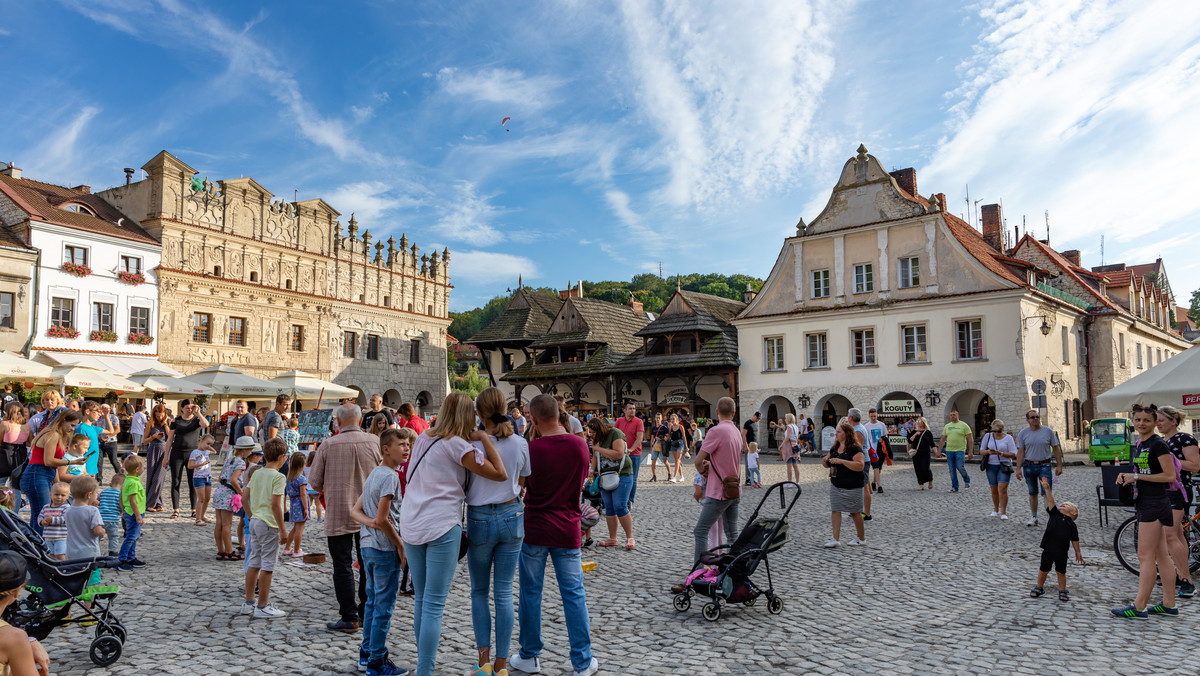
point(1125, 544)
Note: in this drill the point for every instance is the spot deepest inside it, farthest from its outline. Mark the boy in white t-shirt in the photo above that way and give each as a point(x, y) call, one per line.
point(753, 473)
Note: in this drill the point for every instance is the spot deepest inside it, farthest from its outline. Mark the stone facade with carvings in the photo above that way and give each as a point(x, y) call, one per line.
point(269, 286)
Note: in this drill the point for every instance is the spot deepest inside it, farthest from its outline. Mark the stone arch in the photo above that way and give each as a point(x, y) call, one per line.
point(773, 409)
point(392, 398)
point(424, 401)
point(975, 407)
point(898, 396)
point(362, 396)
point(829, 409)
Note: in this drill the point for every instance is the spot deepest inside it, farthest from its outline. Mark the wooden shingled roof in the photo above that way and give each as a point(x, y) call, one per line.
point(528, 317)
point(602, 322)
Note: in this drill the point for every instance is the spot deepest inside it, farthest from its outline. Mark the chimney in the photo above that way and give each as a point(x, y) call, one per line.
point(12, 171)
point(992, 224)
point(85, 189)
point(907, 178)
point(637, 306)
point(128, 175)
point(749, 294)
point(1072, 256)
point(941, 198)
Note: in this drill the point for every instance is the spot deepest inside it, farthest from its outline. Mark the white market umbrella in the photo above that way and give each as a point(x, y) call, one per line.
point(226, 381)
point(17, 369)
point(94, 381)
point(1174, 382)
point(303, 385)
point(167, 385)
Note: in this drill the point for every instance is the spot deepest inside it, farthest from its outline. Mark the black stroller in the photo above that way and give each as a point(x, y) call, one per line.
point(736, 562)
point(56, 587)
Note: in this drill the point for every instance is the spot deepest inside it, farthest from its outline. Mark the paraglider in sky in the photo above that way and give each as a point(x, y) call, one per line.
point(502, 122)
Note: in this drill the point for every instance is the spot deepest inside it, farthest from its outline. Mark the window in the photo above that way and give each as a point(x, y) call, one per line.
point(430, 312)
point(913, 339)
point(410, 307)
point(62, 312)
point(139, 320)
point(1121, 349)
point(77, 208)
point(1138, 351)
point(349, 344)
point(1158, 355)
point(864, 346)
point(864, 278)
point(288, 285)
point(75, 254)
point(387, 301)
point(818, 353)
point(1066, 345)
point(773, 353)
point(414, 351)
point(6, 311)
point(373, 348)
point(254, 276)
point(102, 317)
point(216, 271)
point(910, 272)
point(969, 339)
point(1149, 357)
point(237, 331)
point(131, 264)
point(820, 284)
point(297, 338)
point(200, 325)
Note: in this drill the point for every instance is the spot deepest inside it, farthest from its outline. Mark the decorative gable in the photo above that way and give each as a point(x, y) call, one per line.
point(864, 194)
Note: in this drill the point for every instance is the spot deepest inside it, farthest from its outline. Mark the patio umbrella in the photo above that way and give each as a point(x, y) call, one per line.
point(303, 385)
point(17, 369)
point(94, 381)
point(1174, 382)
point(226, 381)
point(167, 385)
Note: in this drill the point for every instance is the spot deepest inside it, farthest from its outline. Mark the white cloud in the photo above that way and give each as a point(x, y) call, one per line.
point(500, 85)
point(732, 94)
point(59, 153)
point(488, 267)
point(371, 201)
point(466, 216)
point(362, 113)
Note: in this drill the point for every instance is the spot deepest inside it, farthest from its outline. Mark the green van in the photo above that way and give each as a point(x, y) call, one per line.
point(1108, 440)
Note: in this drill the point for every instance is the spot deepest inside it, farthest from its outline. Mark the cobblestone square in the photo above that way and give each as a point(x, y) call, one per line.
point(940, 588)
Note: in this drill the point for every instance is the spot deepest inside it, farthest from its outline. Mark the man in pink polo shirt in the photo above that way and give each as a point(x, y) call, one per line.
point(721, 457)
point(633, 429)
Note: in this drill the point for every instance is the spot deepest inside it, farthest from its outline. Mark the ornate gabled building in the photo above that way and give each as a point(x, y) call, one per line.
point(269, 286)
point(504, 343)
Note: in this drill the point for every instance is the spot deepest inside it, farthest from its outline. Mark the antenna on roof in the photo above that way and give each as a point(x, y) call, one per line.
point(660, 270)
point(970, 221)
point(1101, 249)
point(1047, 226)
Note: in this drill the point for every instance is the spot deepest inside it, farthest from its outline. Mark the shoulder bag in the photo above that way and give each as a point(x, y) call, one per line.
point(983, 459)
point(611, 479)
point(731, 486)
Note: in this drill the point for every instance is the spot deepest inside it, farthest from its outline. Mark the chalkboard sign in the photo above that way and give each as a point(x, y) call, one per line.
point(314, 425)
point(897, 443)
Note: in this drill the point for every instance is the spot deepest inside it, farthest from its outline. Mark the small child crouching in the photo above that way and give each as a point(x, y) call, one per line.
point(133, 505)
point(1061, 534)
point(264, 507)
point(110, 512)
point(54, 520)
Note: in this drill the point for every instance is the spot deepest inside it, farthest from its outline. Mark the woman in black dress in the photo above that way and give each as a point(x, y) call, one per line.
point(920, 446)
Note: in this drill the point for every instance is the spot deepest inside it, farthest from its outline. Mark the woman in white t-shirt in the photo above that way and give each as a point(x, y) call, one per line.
point(431, 514)
point(495, 531)
point(789, 452)
point(999, 452)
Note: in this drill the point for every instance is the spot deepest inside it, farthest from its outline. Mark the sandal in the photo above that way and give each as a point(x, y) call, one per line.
point(629, 543)
point(197, 522)
point(222, 556)
point(1063, 595)
point(654, 478)
point(235, 557)
point(611, 542)
point(1036, 592)
point(175, 515)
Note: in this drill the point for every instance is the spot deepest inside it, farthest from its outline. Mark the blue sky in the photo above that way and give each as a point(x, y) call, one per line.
point(691, 134)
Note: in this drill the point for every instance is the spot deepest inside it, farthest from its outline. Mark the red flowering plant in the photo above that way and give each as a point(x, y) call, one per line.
point(139, 338)
point(104, 336)
point(131, 278)
point(77, 269)
point(63, 332)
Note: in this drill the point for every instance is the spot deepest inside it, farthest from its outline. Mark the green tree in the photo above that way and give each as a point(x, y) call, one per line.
point(470, 384)
point(1194, 307)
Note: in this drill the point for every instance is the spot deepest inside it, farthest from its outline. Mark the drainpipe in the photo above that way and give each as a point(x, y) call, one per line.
point(1087, 346)
point(33, 308)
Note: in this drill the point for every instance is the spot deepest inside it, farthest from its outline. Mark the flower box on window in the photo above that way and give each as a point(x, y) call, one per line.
point(132, 278)
point(104, 336)
point(139, 338)
point(63, 332)
point(76, 269)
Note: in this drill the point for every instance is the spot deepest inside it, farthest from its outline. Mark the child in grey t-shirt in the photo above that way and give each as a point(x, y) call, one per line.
point(84, 523)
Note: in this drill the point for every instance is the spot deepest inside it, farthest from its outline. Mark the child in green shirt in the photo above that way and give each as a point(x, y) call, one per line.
point(133, 505)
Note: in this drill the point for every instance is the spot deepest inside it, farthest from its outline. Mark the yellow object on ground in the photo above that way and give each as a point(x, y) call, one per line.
point(589, 565)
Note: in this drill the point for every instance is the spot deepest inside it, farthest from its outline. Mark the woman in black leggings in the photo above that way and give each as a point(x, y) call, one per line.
point(182, 439)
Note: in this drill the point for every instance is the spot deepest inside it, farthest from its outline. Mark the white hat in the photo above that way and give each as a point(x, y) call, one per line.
point(246, 442)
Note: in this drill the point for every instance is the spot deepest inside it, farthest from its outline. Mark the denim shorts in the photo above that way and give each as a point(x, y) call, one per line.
point(677, 446)
point(996, 475)
point(202, 482)
point(57, 547)
point(1033, 474)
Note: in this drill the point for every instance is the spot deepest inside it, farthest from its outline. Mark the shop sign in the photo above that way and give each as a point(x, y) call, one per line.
point(898, 407)
point(1191, 400)
point(675, 398)
point(897, 441)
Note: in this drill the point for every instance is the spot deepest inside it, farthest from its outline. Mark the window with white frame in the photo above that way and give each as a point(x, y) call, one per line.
point(76, 255)
point(7, 321)
point(139, 320)
point(863, 344)
point(1066, 345)
point(773, 353)
point(864, 278)
point(820, 284)
point(102, 316)
point(818, 350)
point(968, 339)
point(62, 312)
point(914, 343)
point(909, 272)
point(131, 264)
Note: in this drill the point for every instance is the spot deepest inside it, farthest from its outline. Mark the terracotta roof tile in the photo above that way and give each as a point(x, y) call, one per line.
point(47, 199)
point(973, 242)
point(1120, 278)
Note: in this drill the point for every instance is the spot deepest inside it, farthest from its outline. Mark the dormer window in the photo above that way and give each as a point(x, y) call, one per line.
point(78, 208)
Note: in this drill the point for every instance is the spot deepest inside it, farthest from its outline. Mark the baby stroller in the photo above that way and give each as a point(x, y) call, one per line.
point(58, 587)
point(730, 581)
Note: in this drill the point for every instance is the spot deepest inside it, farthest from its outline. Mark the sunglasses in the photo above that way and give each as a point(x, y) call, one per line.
point(1145, 409)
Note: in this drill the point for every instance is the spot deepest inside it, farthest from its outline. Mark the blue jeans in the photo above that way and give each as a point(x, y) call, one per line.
point(382, 570)
point(35, 483)
point(432, 566)
point(996, 476)
point(569, 573)
point(133, 531)
point(112, 531)
point(637, 466)
point(495, 533)
point(1033, 475)
point(712, 509)
point(957, 464)
point(754, 475)
point(616, 502)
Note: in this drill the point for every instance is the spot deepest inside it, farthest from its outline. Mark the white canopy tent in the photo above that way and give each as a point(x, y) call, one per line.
point(226, 381)
point(170, 387)
point(121, 364)
point(1173, 382)
point(305, 386)
point(16, 369)
point(94, 381)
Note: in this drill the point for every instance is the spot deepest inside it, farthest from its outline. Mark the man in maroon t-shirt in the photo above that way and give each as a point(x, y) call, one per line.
point(558, 462)
point(635, 431)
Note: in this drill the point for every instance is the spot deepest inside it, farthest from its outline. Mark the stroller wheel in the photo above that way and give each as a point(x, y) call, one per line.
point(682, 602)
point(712, 612)
point(749, 602)
point(775, 606)
point(115, 628)
point(105, 650)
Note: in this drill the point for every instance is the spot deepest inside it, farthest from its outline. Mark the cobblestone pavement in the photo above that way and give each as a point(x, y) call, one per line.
point(940, 588)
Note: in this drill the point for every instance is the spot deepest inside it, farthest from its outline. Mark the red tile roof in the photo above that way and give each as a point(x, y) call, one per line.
point(973, 242)
point(1068, 268)
point(44, 202)
point(1119, 278)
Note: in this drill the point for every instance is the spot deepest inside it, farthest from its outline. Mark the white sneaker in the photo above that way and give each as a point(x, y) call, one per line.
point(1004, 517)
point(589, 669)
point(530, 665)
point(247, 607)
point(855, 542)
point(994, 513)
point(268, 611)
point(1032, 521)
point(831, 544)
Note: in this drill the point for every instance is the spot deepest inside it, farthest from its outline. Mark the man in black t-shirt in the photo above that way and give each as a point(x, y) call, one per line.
point(749, 434)
point(7, 397)
point(376, 409)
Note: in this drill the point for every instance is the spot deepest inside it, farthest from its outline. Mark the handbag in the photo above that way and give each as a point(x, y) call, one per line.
point(12, 456)
point(609, 480)
point(731, 486)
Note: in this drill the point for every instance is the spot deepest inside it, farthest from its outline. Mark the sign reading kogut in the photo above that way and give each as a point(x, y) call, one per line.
point(898, 407)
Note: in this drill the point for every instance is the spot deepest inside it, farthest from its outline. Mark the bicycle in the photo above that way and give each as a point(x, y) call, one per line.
point(1125, 540)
